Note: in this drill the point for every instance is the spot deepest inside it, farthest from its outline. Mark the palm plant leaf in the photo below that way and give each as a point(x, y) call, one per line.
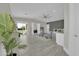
point(12, 43)
point(22, 46)
point(6, 24)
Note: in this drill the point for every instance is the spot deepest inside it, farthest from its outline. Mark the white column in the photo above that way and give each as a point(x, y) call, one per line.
point(38, 28)
point(47, 28)
point(32, 28)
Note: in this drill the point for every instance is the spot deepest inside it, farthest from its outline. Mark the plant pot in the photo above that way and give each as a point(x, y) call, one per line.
point(12, 54)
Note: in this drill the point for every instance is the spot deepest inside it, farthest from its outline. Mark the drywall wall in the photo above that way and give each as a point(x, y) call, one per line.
point(66, 27)
point(69, 39)
point(4, 7)
point(35, 26)
point(56, 24)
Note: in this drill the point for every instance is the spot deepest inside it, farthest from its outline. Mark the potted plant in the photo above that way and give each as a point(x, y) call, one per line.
point(7, 27)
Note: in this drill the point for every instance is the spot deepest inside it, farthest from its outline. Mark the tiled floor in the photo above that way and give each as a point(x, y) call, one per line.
point(41, 47)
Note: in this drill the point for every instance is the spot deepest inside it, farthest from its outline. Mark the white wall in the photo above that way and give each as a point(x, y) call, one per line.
point(47, 28)
point(32, 28)
point(4, 7)
point(66, 27)
point(36, 26)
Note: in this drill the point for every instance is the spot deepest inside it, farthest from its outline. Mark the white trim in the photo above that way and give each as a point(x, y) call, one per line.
point(66, 50)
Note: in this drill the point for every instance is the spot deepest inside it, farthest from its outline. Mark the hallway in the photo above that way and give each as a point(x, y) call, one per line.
point(39, 46)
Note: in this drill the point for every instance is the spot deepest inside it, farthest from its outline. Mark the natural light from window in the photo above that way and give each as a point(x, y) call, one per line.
point(19, 25)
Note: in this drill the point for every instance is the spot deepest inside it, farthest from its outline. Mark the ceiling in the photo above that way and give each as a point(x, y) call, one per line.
point(45, 12)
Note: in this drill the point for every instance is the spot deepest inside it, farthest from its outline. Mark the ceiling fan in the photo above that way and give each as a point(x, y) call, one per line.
point(46, 16)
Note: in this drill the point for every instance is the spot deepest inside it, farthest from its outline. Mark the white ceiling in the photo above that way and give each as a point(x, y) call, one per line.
point(55, 11)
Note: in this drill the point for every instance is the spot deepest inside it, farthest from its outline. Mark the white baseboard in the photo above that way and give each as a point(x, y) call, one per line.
point(66, 50)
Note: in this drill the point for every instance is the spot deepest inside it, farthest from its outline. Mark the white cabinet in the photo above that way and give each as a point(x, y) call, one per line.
point(60, 38)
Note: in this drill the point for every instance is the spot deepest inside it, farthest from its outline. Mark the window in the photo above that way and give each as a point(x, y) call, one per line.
point(21, 28)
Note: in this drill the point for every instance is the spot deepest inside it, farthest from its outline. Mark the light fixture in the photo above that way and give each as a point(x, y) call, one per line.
point(46, 16)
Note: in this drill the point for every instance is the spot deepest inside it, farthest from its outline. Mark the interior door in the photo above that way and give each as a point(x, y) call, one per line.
point(74, 29)
point(77, 28)
point(75, 32)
